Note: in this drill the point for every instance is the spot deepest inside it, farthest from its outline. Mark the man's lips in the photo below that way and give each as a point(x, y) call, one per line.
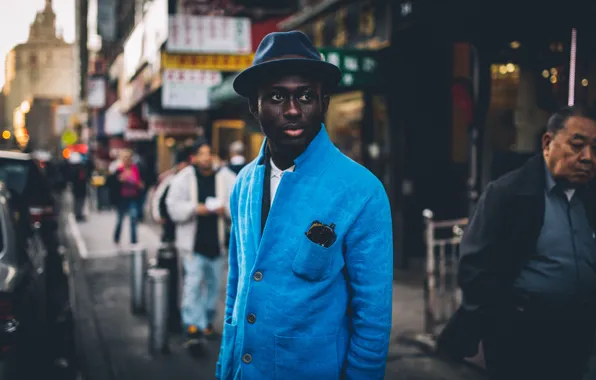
point(293, 130)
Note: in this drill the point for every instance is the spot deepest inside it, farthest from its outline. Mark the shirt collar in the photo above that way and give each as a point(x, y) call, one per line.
point(276, 172)
point(550, 181)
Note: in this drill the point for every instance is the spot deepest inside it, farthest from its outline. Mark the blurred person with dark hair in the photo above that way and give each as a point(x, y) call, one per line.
point(528, 262)
point(130, 186)
point(198, 203)
point(79, 176)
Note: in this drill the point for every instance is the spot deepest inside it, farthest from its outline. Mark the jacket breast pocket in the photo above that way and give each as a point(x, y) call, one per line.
point(314, 262)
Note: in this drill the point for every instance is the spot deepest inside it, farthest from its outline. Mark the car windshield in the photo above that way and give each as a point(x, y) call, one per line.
point(14, 174)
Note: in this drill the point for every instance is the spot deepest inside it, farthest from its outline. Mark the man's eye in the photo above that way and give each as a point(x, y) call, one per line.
point(305, 97)
point(277, 97)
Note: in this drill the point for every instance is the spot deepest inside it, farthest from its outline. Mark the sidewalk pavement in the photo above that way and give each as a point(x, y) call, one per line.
point(117, 346)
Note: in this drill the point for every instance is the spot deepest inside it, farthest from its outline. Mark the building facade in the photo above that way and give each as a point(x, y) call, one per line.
point(42, 67)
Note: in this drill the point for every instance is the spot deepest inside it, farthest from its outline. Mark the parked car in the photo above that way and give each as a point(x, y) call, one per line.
point(24, 328)
point(35, 220)
point(24, 177)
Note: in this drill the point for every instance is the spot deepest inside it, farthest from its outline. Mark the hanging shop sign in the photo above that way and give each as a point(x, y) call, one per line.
point(188, 89)
point(209, 34)
point(173, 125)
point(216, 62)
point(359, 67)
point(362, 25)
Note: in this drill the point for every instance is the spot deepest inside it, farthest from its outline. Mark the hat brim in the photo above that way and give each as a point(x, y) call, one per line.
point(246, 83)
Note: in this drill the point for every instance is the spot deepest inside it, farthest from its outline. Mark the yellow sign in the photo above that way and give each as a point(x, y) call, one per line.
point(216, 62)
point(69, 137)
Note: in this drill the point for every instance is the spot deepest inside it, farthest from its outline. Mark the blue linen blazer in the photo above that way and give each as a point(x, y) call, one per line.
point(297, 310)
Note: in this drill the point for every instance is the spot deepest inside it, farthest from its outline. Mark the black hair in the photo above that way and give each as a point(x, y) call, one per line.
point(558, 119)
point(198, 144)
point(183, 154)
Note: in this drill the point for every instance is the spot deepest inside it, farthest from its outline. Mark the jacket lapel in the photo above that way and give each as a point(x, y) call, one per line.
point(312, 163)
point(255, 196)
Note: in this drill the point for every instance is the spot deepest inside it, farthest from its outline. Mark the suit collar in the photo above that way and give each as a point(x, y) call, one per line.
point(314, 160)
point(531, 177)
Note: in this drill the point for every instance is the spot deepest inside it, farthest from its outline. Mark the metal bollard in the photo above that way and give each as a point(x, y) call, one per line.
point(138, 268)
point(158, 313)
point(167, 258)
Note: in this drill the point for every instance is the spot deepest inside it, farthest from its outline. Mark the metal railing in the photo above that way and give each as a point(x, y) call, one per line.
point(442, 296)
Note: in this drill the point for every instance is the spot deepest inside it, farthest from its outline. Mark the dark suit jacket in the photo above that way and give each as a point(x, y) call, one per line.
point(499, 239)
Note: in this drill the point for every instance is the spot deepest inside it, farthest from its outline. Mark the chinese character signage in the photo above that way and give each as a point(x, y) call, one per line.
point(188, 89)
point(359, 67)
point(361, 25)
point(209, 34)
point(217, 62)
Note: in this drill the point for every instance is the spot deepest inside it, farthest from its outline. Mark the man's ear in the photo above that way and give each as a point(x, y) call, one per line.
point(325, 104)
point(253, 106)
point(547, 139)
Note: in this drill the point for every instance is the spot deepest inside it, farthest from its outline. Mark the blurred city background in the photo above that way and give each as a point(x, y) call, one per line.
point(438, 98)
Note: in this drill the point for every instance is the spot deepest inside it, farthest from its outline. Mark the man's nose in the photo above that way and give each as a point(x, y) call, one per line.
point(292, 109)
point(588, 156)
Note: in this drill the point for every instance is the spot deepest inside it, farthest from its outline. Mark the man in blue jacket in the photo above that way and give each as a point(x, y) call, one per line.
point(310, 269)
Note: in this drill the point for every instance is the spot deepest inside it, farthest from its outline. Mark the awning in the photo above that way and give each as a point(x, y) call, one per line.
point(224, 92)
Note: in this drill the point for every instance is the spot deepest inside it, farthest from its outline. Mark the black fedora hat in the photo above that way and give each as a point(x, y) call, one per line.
point(285, 52)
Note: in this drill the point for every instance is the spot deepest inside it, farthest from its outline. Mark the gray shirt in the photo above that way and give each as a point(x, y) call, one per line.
point(564, 267)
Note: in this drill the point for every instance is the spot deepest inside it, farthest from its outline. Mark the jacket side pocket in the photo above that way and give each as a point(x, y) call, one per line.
point(228, 343)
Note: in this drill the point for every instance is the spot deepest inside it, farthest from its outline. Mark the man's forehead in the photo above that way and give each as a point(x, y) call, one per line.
point(581, 127)
point(291, 81)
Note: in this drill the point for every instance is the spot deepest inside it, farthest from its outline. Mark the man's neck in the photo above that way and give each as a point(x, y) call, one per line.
point(283, 160)
point(205, 172)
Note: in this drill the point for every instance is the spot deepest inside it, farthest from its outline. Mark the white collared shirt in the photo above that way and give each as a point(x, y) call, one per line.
point(276, 174)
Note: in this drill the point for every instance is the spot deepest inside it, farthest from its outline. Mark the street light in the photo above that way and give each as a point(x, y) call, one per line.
point(25, 106)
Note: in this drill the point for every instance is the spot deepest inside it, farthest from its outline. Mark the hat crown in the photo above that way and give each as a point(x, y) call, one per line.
point(278, 45)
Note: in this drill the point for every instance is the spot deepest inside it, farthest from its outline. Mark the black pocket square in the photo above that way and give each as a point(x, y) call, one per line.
point(322, 234)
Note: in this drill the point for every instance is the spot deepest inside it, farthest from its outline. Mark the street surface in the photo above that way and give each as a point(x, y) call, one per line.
point(113, 343)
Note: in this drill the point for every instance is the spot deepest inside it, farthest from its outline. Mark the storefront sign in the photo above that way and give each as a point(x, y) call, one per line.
point(96, 92)
point(188, 89)
point(62, 117)
point(144, 84)
point(115, 121)
point(217, 62)
point(138, 135)
point(359, 67)
point(209, 34)
point(173, 125)
point(362, 25)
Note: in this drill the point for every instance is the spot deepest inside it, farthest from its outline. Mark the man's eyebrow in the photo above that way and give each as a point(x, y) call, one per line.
point(579, 136)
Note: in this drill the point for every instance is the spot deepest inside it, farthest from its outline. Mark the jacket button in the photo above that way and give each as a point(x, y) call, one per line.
point(247, 358)
point(258, 276)
point(251, 318)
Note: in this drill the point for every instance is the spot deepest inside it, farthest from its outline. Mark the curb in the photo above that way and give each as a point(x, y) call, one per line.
point(93, 357)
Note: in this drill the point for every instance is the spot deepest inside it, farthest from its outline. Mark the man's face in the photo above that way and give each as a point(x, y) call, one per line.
point(203, 158)
point(290, 110)
point(570, 154)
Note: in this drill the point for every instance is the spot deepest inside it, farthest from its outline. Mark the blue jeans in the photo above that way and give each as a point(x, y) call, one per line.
point(126, 206)
point(198, 304)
